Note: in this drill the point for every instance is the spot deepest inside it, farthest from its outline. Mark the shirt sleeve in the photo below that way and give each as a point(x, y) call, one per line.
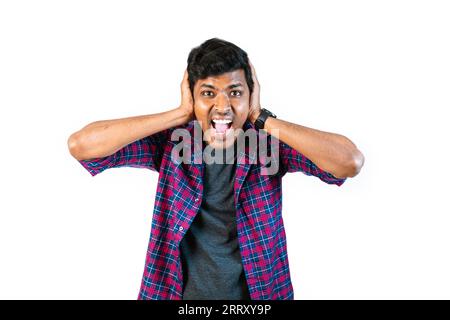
point(144, 153)
point(293, 161)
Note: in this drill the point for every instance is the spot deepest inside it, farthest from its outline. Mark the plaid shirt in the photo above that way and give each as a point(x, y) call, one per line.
point(258, 200)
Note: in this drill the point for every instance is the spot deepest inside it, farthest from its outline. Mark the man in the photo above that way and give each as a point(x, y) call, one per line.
point(217, 230)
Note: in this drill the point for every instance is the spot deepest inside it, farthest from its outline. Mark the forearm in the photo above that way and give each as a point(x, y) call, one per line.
point(331, 152)
point(103, 138)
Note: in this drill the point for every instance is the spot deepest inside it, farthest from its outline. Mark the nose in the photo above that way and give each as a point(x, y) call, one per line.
point(222, 103)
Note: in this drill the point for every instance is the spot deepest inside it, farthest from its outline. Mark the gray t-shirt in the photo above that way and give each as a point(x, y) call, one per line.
point(210, 256)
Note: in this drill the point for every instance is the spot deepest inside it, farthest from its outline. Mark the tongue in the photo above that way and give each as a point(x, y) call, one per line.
point(221, 127)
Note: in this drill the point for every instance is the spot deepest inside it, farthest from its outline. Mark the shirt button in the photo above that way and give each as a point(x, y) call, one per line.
point(181, 228)
point(196, 200)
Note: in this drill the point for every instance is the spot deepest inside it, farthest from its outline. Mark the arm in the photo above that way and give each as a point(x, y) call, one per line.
point(333, 153)
point(103, 138)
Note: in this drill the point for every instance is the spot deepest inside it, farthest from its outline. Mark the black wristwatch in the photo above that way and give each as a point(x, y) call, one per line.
point(259, 123)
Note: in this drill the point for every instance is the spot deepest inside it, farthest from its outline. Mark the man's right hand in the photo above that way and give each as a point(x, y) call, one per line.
point(187, 102)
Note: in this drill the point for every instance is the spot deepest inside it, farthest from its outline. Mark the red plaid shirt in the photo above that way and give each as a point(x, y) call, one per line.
point(258, 200)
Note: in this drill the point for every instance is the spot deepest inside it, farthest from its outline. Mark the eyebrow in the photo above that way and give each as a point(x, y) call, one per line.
point(231, 86)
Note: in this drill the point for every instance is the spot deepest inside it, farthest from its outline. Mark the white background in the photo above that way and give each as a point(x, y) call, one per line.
point(377, 72)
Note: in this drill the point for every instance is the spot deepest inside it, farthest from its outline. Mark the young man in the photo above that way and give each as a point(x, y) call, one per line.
point(217, 230)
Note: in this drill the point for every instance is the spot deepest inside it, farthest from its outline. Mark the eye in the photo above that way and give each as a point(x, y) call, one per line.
point(207, 93)
point(238, 93)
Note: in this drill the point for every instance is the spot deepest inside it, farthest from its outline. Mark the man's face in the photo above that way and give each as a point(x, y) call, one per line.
point(221, 105)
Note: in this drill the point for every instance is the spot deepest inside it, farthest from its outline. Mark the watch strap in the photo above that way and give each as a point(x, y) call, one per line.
point(261, 120)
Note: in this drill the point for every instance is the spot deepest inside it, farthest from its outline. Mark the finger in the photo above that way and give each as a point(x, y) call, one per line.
point(185, 77)
point(253, 71)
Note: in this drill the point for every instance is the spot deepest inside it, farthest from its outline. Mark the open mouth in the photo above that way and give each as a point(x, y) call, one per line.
point(221, 126)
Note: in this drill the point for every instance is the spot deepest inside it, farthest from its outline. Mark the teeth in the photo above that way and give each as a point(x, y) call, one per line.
point(221, 121)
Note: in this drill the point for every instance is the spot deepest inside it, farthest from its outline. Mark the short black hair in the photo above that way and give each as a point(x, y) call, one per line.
point(214, 57)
